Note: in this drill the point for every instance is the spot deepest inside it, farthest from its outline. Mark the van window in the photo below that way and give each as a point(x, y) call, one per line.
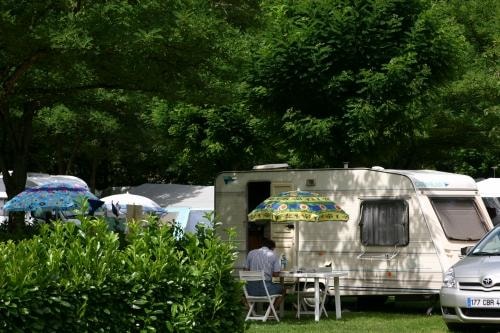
point(384, 222)
point(459, 218)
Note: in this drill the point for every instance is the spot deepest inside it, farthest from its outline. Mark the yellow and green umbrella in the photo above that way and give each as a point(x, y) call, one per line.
point(298, 206)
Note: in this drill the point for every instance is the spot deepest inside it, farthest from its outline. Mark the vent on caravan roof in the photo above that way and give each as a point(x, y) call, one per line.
point(271, 166)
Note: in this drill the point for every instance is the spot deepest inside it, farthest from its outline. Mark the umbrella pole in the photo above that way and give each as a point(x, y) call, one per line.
point(296, 244)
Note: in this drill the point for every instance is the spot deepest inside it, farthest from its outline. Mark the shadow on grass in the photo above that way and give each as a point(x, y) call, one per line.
point(426, 305)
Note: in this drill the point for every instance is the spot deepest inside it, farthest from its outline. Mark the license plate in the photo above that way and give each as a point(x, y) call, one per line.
point(483, 302)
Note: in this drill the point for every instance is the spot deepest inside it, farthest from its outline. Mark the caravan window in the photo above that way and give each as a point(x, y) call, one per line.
point(384, 222)
point(459, 218)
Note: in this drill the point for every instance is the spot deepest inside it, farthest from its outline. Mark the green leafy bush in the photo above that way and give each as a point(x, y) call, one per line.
point(80, 279)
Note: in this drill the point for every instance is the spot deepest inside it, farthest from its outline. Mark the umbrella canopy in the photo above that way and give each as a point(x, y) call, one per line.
point(120, 202)
point(298, 206)
point(50, 196)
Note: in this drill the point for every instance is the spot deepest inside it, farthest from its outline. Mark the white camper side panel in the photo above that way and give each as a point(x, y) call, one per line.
point(372, 269)
point(231, 207)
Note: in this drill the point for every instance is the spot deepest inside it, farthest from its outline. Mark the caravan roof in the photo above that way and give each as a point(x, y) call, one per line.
point(432, 179)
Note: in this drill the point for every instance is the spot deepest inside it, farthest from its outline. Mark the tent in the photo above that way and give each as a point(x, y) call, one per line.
point(3, 199)
point(3, 193)
point(36, 179)
point(178, 195)
point(186, 204)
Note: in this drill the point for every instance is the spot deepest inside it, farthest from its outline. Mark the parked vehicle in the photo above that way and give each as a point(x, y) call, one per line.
point(470, 294)
point(405, 227)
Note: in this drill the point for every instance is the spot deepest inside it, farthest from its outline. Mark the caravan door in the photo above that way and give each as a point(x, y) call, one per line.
point(282, 233)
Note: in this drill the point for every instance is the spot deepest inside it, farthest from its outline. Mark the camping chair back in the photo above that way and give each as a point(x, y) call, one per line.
point(256, 276)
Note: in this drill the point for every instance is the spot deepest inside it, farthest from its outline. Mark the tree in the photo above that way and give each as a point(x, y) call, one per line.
point(96, 133)
point(203, 141)
point(465, 129)
point(347, 80)
point(60, 54)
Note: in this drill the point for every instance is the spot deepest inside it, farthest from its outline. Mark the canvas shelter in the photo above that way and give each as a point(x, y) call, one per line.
point(3, 197)
point(186, 204)
point(36, 179)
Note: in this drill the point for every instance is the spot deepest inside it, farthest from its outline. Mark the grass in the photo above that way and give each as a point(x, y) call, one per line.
point(389, 317)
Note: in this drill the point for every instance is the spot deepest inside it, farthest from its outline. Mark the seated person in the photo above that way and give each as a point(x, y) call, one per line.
point(264, 259)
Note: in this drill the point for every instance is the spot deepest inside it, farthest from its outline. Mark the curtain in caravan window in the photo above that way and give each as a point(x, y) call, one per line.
point(384, 222)
point(459, 218)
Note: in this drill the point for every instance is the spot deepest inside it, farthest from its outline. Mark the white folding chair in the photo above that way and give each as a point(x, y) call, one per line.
point(305, 295)
point(249, 276)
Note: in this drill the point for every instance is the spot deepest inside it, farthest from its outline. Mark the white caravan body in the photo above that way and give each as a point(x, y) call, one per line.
point(489, 190)
point(440, 212)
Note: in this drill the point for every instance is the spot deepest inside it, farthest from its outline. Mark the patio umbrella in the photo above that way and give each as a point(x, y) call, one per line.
point(50, 196)
point(301, 206)
point(118, 203)
point(298, 207)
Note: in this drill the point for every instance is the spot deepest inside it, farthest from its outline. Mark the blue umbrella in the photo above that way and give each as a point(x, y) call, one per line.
point(50, 196)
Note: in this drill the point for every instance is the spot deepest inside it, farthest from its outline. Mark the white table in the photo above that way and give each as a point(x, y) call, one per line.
point(316, 276)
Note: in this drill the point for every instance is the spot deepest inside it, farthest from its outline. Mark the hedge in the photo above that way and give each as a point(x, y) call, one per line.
point(84, 279)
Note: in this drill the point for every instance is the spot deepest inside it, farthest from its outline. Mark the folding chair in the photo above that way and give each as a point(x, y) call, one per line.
point(270, 312)
point(305, 294)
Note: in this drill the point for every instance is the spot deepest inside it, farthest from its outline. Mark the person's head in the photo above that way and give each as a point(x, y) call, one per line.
point(269, 243)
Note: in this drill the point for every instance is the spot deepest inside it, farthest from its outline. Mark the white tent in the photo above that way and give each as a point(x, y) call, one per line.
point(178, 195)
point(3, 194)
point(186, 204)
point(489, 188)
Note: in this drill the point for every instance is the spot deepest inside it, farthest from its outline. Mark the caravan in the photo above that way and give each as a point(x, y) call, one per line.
point(405, 228)
point(489, 190)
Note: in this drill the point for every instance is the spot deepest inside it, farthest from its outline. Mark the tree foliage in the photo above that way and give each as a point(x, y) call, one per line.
point(345, 80)
point(125, 92)
point(466, 111)
point(91, 61)
point(202, 140)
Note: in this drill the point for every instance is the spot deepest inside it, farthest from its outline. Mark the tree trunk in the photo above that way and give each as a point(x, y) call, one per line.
point(95, 163)
point(14, 148)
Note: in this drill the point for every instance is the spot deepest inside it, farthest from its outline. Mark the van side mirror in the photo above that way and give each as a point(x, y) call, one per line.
point(465, 250)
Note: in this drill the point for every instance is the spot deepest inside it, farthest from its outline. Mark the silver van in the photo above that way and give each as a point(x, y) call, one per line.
point(470, 294)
